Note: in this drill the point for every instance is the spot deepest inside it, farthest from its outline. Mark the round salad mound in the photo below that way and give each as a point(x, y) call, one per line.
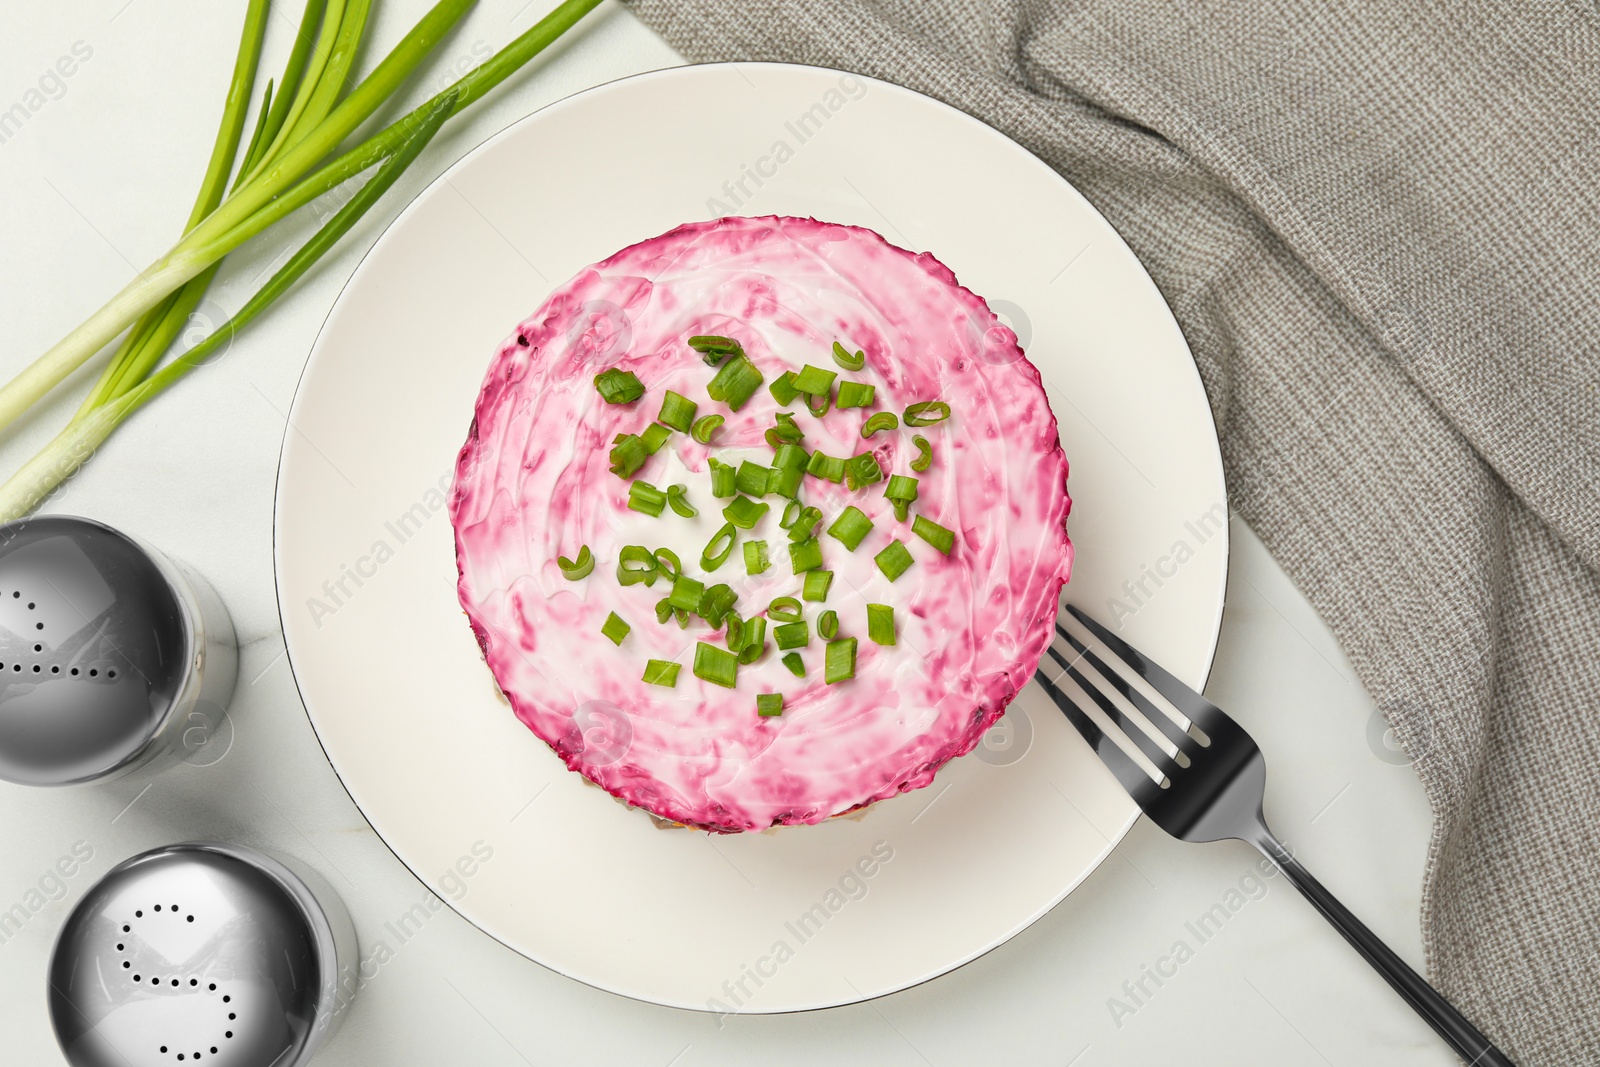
point(761, 521)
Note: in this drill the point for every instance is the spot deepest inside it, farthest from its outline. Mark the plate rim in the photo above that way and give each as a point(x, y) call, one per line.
point(1217, 615)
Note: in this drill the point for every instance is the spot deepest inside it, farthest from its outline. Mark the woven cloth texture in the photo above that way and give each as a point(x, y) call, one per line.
point(1378, 224)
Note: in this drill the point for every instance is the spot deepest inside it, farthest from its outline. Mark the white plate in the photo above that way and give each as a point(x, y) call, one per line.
point(395, 684)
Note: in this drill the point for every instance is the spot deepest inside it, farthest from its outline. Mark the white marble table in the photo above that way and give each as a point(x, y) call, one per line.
point(97, 172)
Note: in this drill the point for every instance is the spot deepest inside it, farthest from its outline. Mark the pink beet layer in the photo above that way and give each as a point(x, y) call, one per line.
point(532, 484)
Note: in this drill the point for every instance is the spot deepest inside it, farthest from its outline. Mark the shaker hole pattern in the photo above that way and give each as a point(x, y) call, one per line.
point(194, 983)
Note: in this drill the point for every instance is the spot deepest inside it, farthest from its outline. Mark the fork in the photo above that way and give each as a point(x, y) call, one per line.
point(1208, 784)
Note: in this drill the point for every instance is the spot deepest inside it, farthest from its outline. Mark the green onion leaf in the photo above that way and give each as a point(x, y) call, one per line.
point(805, 524)
point(755, 640)
point(862, 470)
point(856, 395)
point(842, 356)
point(677, 411)
point(655, 435)
point(615, 628)
point(937, 536)
point(682, 616)
point(705, 428)
point(792, 635)
point(724, 480)
point(686, 593)
point(572, 570)
point(785, 431)
point(715, 604)
point(839, 663)
point(646, 498)
point(819, 405)
point(628, 454)
point(786, 482)
point(752, 479)
point(618, 386)
point(851, 527)
point(716, 665)
point(791, 514)
point(902, 508)
point(755, 557)
point(901, 487)
point(745, 513)
point(830, 468)
point(667, 563)
point(769, 705)
point(783, 390)
point(828, 625)
point(678, 500)
point(714, 349)
point(883, 420)
point(814, 380)
point(805, 555)
point(880, 623)
point(790, 456)
point(636, 564)
point(796, 665)
point(894, 560)
point(661, 672)
point(924, 458)
point(663, 610)
point(927, 413)
point(785, 609)
point(734, 635)
point(719, 548)
point(736, 382)
point(817, 585)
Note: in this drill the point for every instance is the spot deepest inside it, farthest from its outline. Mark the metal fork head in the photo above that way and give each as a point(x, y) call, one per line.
point(1209, 777)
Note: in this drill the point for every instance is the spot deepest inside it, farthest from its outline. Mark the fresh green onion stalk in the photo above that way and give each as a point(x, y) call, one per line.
point(301, 121)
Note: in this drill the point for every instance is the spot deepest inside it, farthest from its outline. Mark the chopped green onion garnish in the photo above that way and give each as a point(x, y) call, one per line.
point(856, 394)
point(785, 431)
point(705, 428)
point(817, 585)
point(828, 625)
point(851, 527)
point(655, 435)
point(883, 420)
point(745, 513)
point(752, 479)
point(924, 458)
point(715, 604)
point(815, 380)
point(636, 564)
point(755, 557)
point(790, 456)
point(840, 662)
point(677, 411)
point(786, 609)
point(661, 672)
point(769, 704)
point(902, 508)
point(736, 382)
point(894, 560)
point(827, 467)
point(582, 567)
point(819, 405)
point(805, 555)
point(668, 565)
point(783, 390)
point(628, 454)
point(644, 497)
point(805, 525)
point(901, 487)
point(618, 386)
point(678, 499)
point(714, 349)
point(755, 640)
point(716, 665)
point(842, 356)
point(937, 536)
point(927, 413)
point(791, 514)
point(724, 480)
point(663, 610)
point(686, 593)
point(880, 623)
point(682, 617)
point(792, 635)
point(862, 470)
point(786, 482)
point(796, 665)
point(733, 637)
point(719, 548)
point(615, 628)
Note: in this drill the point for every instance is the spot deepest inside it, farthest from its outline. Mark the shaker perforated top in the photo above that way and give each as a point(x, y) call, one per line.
point(94, 647)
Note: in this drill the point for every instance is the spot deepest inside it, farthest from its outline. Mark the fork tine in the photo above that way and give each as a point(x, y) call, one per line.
point(1158, 718)
point(1194, 707)
point(1139, 785)
point(1141, 740)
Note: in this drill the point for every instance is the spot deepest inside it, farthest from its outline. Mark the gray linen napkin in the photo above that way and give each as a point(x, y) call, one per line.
point(1378, 224)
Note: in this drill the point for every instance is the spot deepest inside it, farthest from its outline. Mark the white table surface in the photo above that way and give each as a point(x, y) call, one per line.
point(95, 180)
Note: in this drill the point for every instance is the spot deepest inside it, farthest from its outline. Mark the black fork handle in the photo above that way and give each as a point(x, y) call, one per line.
point(1425, 1000)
